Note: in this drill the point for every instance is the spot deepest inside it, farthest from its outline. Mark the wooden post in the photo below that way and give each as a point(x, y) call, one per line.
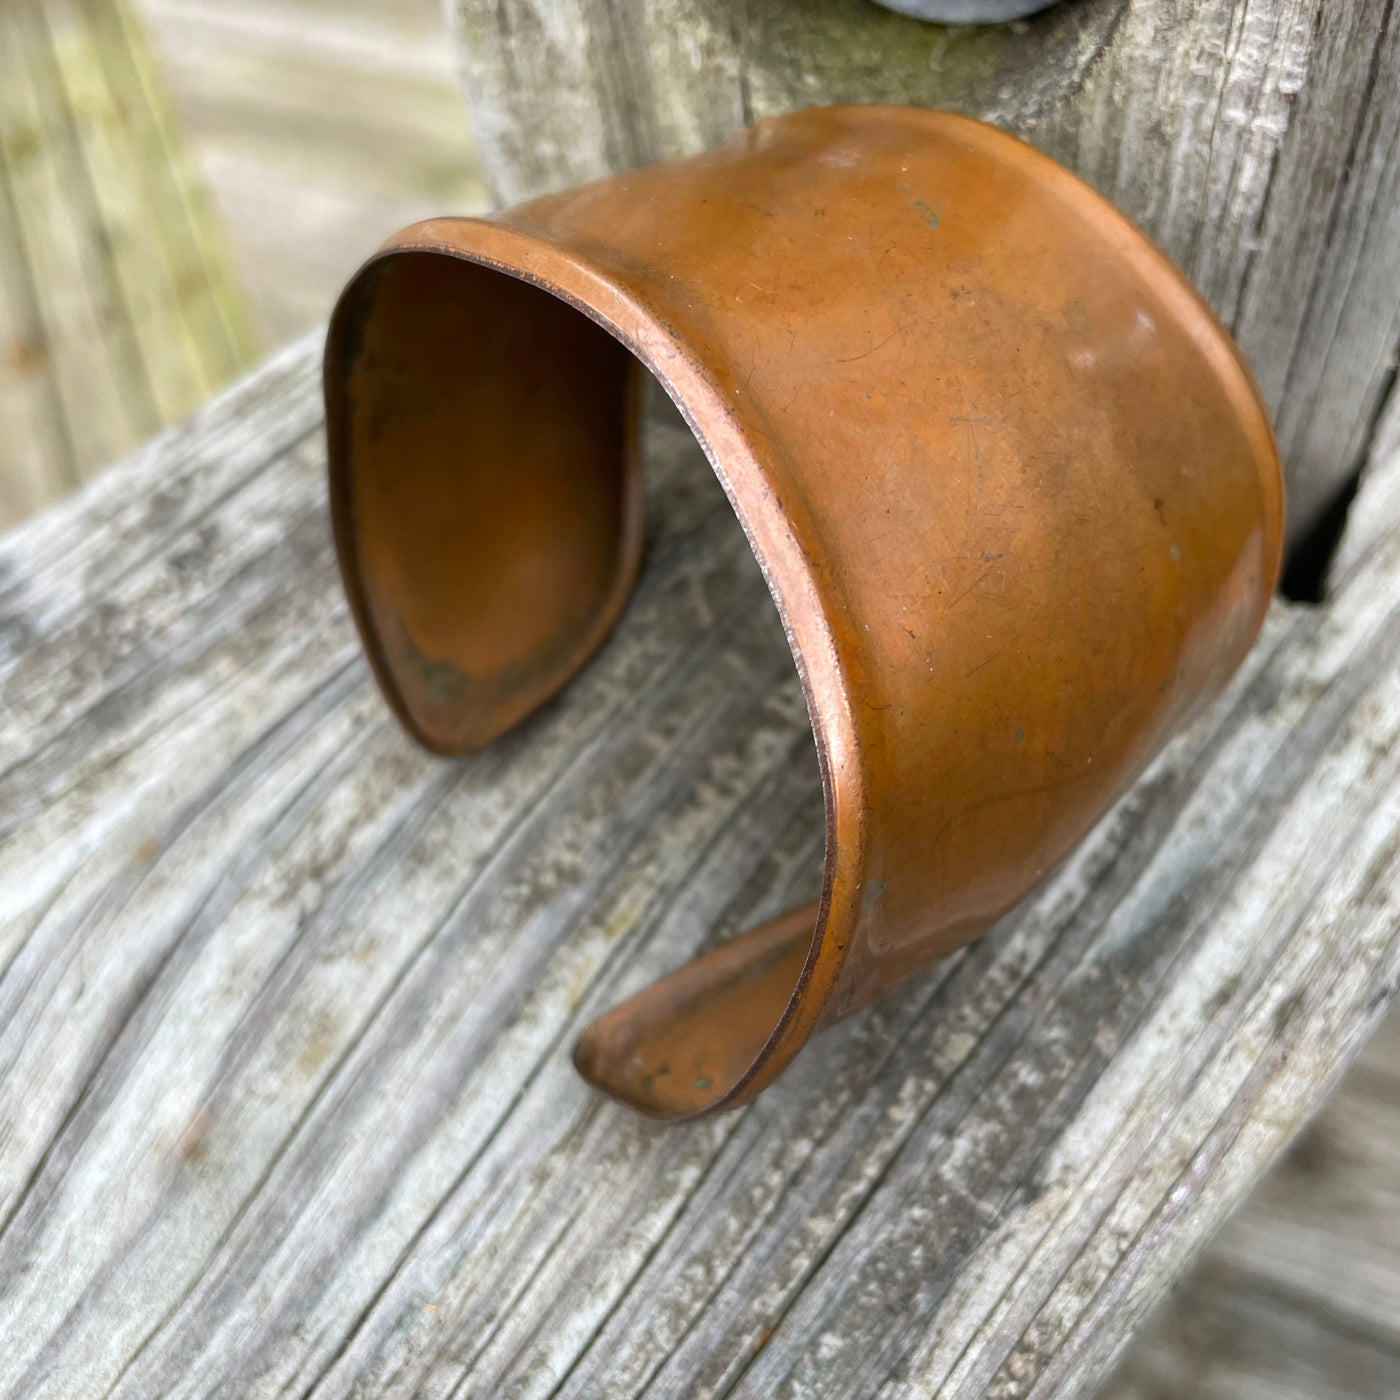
point(1256, 140)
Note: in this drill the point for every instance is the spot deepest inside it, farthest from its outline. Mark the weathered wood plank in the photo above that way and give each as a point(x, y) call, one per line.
point(1254, 139)
point(285, 1102)
point(1338, 1254)
point(1300, 1294)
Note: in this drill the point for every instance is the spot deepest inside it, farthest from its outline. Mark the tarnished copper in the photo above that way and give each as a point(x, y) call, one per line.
point(1008, 478)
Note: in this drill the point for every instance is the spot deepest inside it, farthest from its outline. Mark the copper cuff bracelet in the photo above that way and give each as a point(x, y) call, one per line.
point(1008, 478)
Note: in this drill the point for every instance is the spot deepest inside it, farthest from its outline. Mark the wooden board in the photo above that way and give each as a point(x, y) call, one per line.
point(285, 1004)
point(320, 129)
point(1299, 1296)
point(1254, 139)
point(118, 310)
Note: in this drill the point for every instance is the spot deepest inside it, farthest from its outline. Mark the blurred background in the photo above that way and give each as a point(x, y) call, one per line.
point(186, 184)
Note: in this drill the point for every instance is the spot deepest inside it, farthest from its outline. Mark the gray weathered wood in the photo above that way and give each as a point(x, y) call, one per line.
point(1257, 140)
point(285, 1004)
point(1299, 1295)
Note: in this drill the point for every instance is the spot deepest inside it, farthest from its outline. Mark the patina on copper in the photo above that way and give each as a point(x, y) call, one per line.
point(1008, 478)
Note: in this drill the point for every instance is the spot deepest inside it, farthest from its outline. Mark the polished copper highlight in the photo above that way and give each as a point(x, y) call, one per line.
point(1009, 480)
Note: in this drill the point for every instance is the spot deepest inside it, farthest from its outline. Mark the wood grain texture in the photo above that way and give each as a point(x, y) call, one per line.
point(285, 1004)
point(1255, 140)
point(1299, 1296)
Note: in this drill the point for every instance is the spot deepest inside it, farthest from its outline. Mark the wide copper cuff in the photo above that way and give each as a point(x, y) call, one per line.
point(1009, 481)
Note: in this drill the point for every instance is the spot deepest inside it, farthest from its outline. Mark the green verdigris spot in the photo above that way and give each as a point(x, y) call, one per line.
point(922, 207)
